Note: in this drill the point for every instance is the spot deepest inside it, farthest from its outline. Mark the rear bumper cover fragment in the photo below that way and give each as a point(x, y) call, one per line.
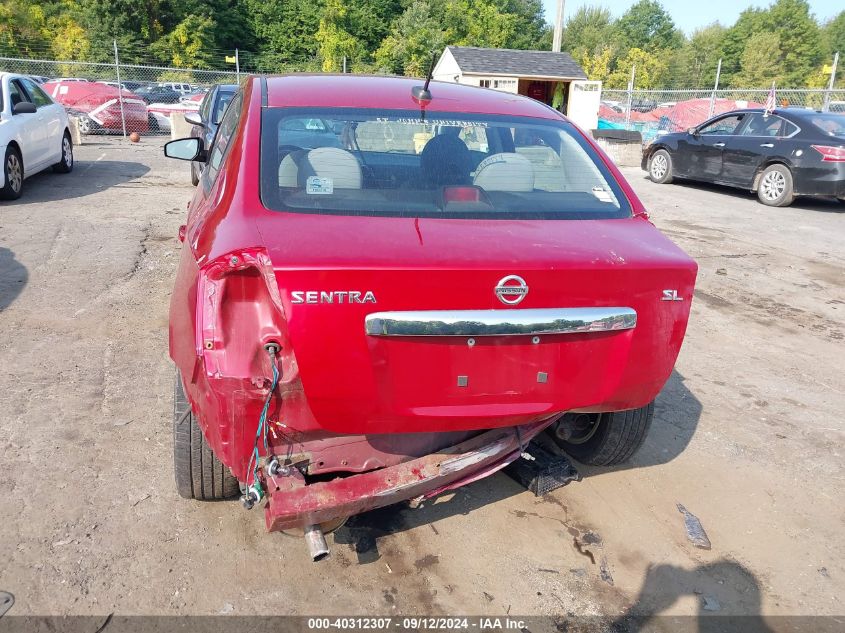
point(294, 504)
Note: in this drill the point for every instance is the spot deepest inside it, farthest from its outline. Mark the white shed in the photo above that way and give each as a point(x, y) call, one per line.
point(553, 78)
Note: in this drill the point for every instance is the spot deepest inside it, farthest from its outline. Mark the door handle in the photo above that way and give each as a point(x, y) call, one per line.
point(718, 144)
point(767, 144)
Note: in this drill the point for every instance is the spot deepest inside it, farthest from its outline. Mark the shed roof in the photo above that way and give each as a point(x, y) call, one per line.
point(505, 61)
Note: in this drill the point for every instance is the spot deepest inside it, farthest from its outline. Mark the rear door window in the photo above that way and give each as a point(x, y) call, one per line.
point(763, 126)
point(402, 163)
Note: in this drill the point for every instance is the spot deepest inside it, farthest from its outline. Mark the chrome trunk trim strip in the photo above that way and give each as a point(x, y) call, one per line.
point(500, 322)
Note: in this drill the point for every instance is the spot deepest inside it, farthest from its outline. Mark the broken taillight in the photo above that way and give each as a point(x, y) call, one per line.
point(831, 154)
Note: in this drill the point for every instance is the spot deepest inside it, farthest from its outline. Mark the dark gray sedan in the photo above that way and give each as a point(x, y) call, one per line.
point(780, 154)
point(205, 121)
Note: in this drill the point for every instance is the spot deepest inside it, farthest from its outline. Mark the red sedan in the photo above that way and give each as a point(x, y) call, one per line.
point(386, 292)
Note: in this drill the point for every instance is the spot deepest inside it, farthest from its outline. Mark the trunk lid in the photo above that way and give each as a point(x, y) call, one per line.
point(333, 278)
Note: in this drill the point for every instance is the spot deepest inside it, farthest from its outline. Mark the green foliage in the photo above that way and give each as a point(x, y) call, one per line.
point(782, 41)
point(694, 65)
point(413, 39)
point(589, 31)
point(189, 44)
point(335, 42)
point(800, 40)
point(647, 26)
point(650, 70)
point(761, 61)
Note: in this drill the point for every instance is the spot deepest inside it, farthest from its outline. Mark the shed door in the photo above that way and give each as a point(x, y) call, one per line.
point(584, 100)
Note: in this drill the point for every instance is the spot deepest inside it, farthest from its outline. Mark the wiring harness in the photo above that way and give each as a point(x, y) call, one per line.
point(254, 492)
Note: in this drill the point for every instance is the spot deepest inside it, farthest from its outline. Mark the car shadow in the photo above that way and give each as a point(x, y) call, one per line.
point(728, 595)
point(677, 412)
point(88, 177)
point(363, 531)
point(823, 205)
point(676, 415)
point(13, 277)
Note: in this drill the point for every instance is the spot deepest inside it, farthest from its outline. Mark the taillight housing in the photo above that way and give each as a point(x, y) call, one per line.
point(831, 154)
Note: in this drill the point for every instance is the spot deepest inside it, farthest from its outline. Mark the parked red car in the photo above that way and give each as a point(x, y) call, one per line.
point(386, 293)
point(97, 106)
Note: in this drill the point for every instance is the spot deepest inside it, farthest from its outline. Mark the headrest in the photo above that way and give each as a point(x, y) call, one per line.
point(505, 172)
point(445, 160)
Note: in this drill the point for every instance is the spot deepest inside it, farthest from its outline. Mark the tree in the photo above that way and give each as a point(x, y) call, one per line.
point(800, 40)
point(647, 26)
point(761, 61)
point(597, 65)
point(284, 30)
point(132, 24)
point(22, 28)
point(335, 42)
point(478, 23)
point(414, 37)
point(589, 31)
point(190, 44)
point(650, 70)
point(750, 22)
point(834, 34)
point(694, 66)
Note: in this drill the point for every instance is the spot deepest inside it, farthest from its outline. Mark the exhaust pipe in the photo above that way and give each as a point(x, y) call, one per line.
point(316, 541)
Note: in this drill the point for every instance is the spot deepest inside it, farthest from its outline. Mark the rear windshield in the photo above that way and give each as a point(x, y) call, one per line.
point(830, 124)
point(406, 163)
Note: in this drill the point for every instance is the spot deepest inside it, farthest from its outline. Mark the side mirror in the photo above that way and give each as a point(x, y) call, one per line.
point(186, 149)
point(193, 118)
point(24, 107)
point(693, 131)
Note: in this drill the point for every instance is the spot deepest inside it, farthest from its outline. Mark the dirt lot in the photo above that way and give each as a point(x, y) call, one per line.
point(748, 436)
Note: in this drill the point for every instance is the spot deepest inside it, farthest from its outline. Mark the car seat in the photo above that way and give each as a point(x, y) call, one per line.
point(505, 172)
point(339, 165)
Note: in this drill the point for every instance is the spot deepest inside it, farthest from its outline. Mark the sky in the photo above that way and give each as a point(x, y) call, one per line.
point(689, 14)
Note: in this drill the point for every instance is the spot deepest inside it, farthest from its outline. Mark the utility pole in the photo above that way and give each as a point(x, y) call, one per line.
point(237, 67)
point(558, 35)
point(630, 97)
point(715, 88)
point(830, 85)
point(119, 88)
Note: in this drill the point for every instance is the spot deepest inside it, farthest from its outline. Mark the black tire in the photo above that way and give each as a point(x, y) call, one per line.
point(195, 177)
point(12, 174)
point(660, 167)
point(775, 188)
point(611, 439)
point(199, 474)
point(65, 165)
point(152, 124)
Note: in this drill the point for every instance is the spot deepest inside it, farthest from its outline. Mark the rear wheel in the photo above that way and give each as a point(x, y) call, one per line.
point(660, 167)
point(199, 474)
point(65, 165)
point(603, 439)
point(775, 187)
point(12, 174)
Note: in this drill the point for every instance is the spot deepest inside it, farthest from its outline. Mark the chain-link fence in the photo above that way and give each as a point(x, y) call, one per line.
point(121, 98)
point(652, 112)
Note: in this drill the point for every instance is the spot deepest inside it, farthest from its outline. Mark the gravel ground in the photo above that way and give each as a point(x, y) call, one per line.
point(747, 436)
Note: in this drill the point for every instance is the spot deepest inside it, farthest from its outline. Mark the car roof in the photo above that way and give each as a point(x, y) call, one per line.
point(787, 112)
point(394, 93)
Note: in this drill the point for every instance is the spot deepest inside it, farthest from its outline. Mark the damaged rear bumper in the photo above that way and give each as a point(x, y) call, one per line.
point(293, 503)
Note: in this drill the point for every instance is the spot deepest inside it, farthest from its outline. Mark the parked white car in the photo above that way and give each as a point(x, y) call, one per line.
point(34, 133)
